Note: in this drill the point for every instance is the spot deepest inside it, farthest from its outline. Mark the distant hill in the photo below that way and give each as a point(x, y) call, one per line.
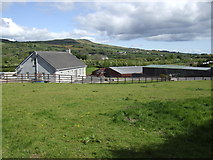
point(6, 41)
point(13, 52)
point(60, 42)
point(66, 43)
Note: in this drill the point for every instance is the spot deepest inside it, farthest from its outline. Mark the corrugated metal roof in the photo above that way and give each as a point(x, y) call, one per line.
point(128, 69)
point(60, 60)
point(177, 67)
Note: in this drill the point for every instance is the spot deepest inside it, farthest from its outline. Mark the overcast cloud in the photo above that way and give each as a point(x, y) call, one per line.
point(174, 21)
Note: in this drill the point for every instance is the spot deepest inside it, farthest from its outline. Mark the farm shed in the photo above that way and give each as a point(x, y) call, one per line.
point(176, 70)
point(99, 72)
point(127, 71)
point(52, 62)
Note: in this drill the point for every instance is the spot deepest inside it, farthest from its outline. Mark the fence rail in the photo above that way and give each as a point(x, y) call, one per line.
point(56, 78)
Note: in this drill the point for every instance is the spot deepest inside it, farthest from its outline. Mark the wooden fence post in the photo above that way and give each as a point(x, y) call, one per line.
point(59, 78)
point(6, 78)
point(22, 78)
point(132, 80)
point(91, 79)
point(117, 80)
point(82, 80)
point(145, 79)
point(71, 79)
point(139, 80)
point(100, 80)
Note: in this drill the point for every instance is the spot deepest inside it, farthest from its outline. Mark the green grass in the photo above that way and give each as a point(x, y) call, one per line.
point(166, 119)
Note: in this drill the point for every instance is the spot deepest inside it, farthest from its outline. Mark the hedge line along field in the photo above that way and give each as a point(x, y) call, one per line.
point(166, 119)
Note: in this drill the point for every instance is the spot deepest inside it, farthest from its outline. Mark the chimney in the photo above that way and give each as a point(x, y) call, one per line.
point(69, 51)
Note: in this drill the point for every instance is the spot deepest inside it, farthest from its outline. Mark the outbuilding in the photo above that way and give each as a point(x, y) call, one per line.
point(176, 70)
point(52, 63)
point(124, 71)
point(99, 72)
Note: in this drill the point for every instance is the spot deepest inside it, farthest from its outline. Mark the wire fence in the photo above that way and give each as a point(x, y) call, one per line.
point(56, 78)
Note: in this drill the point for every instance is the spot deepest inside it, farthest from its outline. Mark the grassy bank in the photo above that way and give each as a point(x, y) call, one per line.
point(167, 119)
point(90, 70)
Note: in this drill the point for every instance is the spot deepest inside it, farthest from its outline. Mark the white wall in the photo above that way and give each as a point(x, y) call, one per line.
point(76, 73)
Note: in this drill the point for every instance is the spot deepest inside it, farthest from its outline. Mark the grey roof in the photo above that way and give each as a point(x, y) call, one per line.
point(128, 69)
point(177, 67)
point(60, 60)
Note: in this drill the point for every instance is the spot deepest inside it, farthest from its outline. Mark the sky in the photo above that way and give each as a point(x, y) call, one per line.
point(181, 26)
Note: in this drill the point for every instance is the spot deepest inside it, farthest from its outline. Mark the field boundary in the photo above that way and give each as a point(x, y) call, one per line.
point(57, 78)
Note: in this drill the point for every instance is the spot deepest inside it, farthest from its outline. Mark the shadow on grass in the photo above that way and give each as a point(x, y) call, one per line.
point(197, 143)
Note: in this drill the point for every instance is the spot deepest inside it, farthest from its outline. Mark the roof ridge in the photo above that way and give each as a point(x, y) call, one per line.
point(52, 51)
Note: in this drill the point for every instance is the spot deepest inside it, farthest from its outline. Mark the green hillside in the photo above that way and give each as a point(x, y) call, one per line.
point(93, 53)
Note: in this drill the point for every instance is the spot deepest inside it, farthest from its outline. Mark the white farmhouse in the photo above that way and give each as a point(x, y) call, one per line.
point(52, 63)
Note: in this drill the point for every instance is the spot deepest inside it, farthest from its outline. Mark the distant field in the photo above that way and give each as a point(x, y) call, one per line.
point(166, 119)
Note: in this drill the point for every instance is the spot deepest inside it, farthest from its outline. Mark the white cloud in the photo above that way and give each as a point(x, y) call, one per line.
point(171, 21)
point(81, 32)
point(62, 6)
point(8, 27)
point(11, 30)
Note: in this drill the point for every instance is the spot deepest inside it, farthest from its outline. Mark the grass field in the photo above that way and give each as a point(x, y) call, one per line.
point(166, 119)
